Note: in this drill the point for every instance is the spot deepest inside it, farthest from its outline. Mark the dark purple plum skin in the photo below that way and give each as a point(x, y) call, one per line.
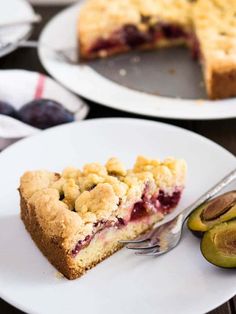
point(44, 113)
point(7, 109)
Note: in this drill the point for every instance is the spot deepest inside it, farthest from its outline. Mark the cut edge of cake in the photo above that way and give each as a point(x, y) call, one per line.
point(131, 24)
point(215, 29)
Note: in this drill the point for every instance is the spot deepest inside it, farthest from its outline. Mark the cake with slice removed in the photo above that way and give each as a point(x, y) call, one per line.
point(78, 217)
point(208, 27)
point(108, 27)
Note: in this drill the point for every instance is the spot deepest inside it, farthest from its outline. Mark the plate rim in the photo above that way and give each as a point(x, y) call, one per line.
point(170, 114)
point(142, 120)
point(101, 120)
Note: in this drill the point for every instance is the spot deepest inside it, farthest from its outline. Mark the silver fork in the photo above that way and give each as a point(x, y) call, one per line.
point(68, 55)
point(162, 239)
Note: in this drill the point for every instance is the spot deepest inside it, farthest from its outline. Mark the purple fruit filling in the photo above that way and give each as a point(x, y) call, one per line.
point(139, 211)
point(173, 31)
point(81, 244)
point(105, 44)
point(168, 202)
point(120, 223)
point(131, 36)
point(98, 227)
point(195, 47)
point(162, 202)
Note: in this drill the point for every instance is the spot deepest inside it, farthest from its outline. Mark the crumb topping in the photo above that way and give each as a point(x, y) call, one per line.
point(117, 13)
point(71, 173)
point(90, 181)
point(215, 26)
point(97, 193)
point(115, 167)
point(94, 168)
point(71, 193)
point(101, 201)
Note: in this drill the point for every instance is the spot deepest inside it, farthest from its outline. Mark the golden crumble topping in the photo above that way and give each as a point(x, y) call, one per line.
point(89, 181)
point(94, 168)
point(31, 182)
point(58, 185)
point(102, 201)
point(144, 164)
point(215, 25)
point(116, 167)
point(71, 193)
point(117, 13)
point(71, 173)
point(98, 193)
point(162, 172)
point(119, 187)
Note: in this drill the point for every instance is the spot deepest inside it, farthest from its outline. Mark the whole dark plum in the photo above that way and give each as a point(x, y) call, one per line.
point(44, 113)
point(7, 109)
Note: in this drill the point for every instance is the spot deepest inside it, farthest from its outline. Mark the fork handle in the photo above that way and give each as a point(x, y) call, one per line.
point(209, 194)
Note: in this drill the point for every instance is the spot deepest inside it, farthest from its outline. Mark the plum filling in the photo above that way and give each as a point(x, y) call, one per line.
point(139, 211)
point(168, 202)
point(162, 202)
point(195, 47)
point(82, 244)
point(173, 31)
point(131, 36)
point(167, 31)
point(98, 227)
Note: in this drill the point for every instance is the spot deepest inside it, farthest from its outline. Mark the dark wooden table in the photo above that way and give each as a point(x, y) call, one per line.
point(223, 132)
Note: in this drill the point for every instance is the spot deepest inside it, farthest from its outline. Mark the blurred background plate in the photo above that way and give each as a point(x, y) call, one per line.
point(14, 10)
point(165, 83)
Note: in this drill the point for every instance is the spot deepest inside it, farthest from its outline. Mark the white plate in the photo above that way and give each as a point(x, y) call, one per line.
point(14, 10)
point(181, 282)
point(85, 81)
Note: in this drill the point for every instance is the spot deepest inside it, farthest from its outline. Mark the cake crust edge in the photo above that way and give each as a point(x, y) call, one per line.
point(51, 248)
point(222, 84)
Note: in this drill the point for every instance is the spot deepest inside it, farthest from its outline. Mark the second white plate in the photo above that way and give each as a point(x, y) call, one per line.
point(84, 80)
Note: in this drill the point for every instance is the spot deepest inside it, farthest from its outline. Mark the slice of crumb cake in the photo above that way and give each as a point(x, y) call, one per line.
point(78, 217)
point(108, 27)
point(215, 28)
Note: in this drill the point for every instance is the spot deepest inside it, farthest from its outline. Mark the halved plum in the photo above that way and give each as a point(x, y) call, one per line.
point(213, 212)
point(218, 245)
